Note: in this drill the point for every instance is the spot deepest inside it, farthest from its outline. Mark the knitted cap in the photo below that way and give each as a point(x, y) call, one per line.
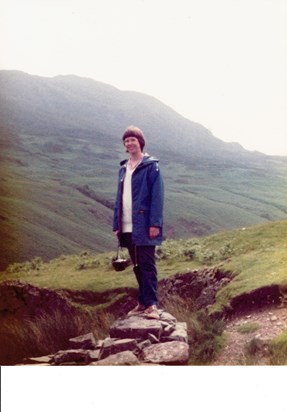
point(133, 131)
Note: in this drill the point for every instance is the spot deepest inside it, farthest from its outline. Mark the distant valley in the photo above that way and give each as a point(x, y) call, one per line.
point(60, 148)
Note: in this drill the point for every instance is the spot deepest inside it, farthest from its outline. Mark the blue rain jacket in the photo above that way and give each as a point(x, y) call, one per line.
point(147, 201)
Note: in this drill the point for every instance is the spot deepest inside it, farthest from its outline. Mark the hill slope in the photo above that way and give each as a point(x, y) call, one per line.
point(60, 149)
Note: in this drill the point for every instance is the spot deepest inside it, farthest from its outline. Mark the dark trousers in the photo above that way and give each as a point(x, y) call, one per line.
point(143, 258)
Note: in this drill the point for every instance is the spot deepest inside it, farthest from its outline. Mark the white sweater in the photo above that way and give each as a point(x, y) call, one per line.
point(127, 202)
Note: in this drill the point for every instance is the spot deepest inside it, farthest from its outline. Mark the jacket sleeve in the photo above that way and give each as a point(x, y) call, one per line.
point(115, 220)
point(157, 198)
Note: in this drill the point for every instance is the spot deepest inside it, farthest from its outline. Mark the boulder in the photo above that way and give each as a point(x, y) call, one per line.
point(113, 346)
point(76, 356)
point(119, 359)
point(169, 353)
point(136, 327)
point(83, 342)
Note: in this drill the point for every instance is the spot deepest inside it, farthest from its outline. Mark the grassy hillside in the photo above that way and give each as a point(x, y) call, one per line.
point(256, 256)
point(57, 198)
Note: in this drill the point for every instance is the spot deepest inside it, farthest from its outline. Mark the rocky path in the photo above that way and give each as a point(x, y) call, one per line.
point(269, 323)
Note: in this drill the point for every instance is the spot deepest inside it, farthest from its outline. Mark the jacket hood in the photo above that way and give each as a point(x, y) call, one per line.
point(146, 160)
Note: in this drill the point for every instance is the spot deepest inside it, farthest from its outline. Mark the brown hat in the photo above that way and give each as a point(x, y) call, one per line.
point(133, 131)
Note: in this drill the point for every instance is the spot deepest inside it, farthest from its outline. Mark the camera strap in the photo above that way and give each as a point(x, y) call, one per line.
point(118, 251)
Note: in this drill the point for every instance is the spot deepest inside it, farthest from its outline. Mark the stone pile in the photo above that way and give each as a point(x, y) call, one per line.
point(134, 340)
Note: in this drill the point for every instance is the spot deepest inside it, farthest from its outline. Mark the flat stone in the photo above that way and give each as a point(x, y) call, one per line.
point(83, 342)
point(136, 327)
point(34, 364)
point(119, 359)
point(144, 344)
point(168, 328)
point(93, 355)
point(70, 355)
point(167, 317)
point(179, 334)
point(40, 359)
point(174, 353)
point(152, 338)
point(99, 344)
point(113, 346)
point(83, 356)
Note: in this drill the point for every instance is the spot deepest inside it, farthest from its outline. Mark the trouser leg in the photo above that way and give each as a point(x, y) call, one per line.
point(143, 258)
point(148, 273)
point(139, 279)
point(132, 249)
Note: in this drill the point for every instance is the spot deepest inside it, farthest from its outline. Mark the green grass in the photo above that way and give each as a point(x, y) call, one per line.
point(259, 259)
point(249, 327)
point(75, 272)
point(278, 349)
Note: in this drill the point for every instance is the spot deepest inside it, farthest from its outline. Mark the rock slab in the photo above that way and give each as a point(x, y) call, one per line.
point(169, 353)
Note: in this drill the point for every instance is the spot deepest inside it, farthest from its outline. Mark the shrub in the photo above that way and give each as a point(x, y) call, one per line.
point(207, 338)
point(207, 257)
point(17, 267)
point(226, 251)
point(254, 346)
point(171, 249)
point(190, 254)
point(34, 264)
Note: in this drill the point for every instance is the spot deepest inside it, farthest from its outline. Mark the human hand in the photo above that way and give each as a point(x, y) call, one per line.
point(153, 232)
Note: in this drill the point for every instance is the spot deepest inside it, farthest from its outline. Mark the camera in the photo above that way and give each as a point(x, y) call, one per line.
point(119, 264)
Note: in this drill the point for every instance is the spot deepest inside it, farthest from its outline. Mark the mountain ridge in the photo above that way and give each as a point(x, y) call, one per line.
point(82, 95)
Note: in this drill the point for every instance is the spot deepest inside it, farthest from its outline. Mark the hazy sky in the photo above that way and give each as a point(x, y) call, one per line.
point(221, 63)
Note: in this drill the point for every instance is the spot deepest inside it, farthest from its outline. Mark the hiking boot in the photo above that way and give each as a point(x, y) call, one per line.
point(152, 312)
point(138, 309)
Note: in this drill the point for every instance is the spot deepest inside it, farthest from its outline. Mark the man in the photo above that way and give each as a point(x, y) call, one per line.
point(138, 217)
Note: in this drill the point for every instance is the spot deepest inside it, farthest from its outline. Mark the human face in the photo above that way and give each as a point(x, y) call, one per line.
point(132, 145)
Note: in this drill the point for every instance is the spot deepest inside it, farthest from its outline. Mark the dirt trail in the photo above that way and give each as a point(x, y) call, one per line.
point(271, 322)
